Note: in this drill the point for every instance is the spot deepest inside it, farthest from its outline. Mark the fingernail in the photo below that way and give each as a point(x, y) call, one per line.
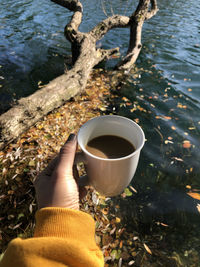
point(71, 137)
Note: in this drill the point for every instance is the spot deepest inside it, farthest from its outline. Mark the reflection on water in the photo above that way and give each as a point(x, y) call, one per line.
point(164, 98)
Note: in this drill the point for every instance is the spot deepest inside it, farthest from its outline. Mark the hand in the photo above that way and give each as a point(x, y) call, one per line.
point(56, 185)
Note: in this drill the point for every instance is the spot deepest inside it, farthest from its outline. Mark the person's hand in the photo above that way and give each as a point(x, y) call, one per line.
point(57, 186)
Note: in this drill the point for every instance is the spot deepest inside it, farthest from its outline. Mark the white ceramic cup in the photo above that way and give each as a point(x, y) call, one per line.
point(111, 176)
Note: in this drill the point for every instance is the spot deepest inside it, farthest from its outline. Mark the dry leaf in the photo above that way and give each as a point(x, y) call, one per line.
point(118, 220)
point(194, 195)
point(188, 186)
point(147, 249)
point(186, 144)
point(163, 224)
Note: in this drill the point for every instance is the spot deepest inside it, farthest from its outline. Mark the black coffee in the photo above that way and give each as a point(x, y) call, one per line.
point(110, 146)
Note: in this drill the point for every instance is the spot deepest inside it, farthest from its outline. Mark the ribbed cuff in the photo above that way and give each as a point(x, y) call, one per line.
point(64, 223)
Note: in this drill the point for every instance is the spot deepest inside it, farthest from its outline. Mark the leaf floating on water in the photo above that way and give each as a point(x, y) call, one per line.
point(173, 128)
point(179, 105)
point(131, 263)
point(163, 224)
point(132, 188)
point(186, 144)
point(147, 249)
point(168, 141)
point(127, 192)
point(178, 159)
point(194, 195)
point(166, 118)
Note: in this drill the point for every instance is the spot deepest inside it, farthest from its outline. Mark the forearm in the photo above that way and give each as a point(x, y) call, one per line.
point(63, 237)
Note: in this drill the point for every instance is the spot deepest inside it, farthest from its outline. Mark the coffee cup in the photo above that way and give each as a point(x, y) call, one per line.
point(110, 176)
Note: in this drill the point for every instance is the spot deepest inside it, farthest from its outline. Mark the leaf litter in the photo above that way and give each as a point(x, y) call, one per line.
point(22, 160)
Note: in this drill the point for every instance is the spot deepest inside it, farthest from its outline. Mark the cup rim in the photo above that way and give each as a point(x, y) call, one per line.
point(115, 159)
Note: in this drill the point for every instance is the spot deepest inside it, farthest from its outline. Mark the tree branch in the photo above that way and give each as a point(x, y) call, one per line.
point(71, 29)
point(116, 21)
point(153, 11)
point(136, 23)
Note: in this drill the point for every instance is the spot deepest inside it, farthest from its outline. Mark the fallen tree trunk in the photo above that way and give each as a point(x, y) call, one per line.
point(31, 109)
point(85, 56)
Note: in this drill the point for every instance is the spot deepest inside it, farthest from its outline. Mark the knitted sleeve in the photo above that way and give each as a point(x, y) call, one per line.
point(63, 237)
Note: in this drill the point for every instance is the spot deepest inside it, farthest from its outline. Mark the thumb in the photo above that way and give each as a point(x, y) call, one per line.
point(67, 155)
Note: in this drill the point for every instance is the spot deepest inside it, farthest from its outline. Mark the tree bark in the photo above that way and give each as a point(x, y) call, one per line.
point(85, 56)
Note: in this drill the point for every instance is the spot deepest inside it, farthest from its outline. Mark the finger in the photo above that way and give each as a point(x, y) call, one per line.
point(67, 155)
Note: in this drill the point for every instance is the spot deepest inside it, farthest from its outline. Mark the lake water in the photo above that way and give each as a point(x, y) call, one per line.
point(164, 97)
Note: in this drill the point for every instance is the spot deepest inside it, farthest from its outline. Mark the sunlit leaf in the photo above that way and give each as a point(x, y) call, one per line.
point(168, 141)
point(186, 144)
point(118, 220)
point(147, 249)
point(31, 163)
point(188, 186)
point(132, 188)
point(164, 224)
point(128, 192)
point(115, 254)
point(194, 195)
point(178, 159)
point(105, 211)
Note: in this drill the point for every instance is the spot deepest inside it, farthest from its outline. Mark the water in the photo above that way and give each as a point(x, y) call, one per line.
point(165, 95)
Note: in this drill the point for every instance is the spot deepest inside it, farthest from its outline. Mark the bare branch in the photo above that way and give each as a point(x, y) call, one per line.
point(104, 26)
point(71, 29)
point(153, 11)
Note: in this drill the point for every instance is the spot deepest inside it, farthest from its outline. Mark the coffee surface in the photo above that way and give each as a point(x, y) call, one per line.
point(110, 146)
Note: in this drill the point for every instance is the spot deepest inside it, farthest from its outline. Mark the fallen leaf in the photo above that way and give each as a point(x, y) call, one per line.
point(173, 127)
point(186, 144)
point(163, 224)
point(131, 263)
point(178, 159)
point(132, 188)
point(194, 195)
point(147, 249)
point(168, 141)
point(127, 192)
point(188, 186)
point(118, 220)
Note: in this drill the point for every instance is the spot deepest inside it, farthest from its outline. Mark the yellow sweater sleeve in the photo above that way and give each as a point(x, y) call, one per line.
point(63, 237)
